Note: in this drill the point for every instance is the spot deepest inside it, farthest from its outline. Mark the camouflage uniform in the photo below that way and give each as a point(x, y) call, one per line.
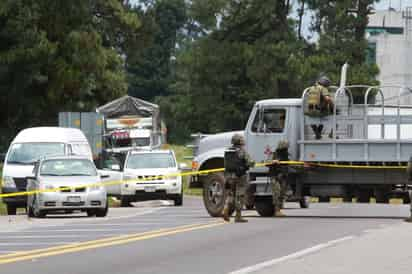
point(318, 105)
point(236, 180)
point(279, 177)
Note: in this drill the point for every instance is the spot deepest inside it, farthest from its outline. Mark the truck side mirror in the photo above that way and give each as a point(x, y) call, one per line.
point(115, 167)
point(182, 166)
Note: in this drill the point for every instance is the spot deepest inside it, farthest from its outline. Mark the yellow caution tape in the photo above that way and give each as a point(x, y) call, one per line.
point(190, 173)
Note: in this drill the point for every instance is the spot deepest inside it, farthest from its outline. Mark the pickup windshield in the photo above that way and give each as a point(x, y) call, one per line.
point(28, 153)
point(150, 160)
point(67, 167)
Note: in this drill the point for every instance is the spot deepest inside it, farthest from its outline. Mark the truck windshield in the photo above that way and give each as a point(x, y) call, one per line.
point(27, 153)
point(67, 167)
point(150, 160)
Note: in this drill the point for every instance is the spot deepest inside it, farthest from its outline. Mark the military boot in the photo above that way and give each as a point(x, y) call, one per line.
point(239, 219)
point(225, 214)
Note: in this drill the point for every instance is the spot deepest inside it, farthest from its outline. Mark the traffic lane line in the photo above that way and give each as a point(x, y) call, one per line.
point(295, 255)
point(70, 248)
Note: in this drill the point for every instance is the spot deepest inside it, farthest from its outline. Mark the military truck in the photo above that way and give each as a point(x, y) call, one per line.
point(362, 153)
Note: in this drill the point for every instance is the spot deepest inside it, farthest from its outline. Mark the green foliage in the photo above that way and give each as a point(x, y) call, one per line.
point(58, 55)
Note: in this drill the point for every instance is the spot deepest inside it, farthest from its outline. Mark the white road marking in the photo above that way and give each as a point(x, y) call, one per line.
point(295, 255)
point(54, 236)
point(38, 243)
point(63, 230)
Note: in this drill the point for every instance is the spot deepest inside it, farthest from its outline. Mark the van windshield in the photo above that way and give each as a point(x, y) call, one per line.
point(150, 160)
point(27, 153)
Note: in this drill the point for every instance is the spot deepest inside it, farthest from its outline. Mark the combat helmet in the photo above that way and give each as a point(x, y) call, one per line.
point(324, 81)
point(238, 140)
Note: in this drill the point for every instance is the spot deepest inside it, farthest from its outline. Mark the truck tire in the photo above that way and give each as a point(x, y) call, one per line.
point(264, 207)
point(11, 209)
point(214, 194)
point(178, 200)
point(304, 202)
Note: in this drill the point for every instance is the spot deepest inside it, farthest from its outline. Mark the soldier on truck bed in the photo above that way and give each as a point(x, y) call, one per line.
point(319, 104)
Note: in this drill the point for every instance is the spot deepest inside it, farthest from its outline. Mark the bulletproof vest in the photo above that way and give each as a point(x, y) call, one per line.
point(233, 163)
point(314, 95)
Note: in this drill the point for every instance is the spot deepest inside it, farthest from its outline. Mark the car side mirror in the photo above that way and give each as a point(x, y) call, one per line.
point(182, 166)
point(104, 176)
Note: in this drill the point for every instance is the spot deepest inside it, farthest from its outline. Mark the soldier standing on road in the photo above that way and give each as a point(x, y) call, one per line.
point(319, 104)
point(237, 163)
point(279, 177)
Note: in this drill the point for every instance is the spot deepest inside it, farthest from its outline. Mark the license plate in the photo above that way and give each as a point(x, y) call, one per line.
point(150, 189)
point(74, 199)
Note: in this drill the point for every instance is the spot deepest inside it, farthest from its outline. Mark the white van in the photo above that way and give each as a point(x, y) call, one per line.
point(28, 147)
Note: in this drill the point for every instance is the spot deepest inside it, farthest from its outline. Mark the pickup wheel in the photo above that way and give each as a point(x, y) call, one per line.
point(264, 206)
point(11, 209)
point(214, 194)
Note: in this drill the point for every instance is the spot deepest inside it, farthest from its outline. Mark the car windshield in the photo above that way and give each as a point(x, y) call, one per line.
point(27, 153)
point(67, 167)
point(150, 160)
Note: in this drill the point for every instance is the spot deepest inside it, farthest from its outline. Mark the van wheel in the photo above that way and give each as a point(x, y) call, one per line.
point(264, 207)
point(214, 194)
point(29, 211)
point(11, 209)
point(38, 213)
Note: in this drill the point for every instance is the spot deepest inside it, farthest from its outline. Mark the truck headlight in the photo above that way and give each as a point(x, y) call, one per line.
point(8, 182)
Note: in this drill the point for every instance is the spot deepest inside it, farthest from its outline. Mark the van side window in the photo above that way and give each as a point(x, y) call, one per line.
point(269, 121)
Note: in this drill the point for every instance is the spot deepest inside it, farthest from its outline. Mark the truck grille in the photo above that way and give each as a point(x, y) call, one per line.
point(80, 189)
point(150, 177)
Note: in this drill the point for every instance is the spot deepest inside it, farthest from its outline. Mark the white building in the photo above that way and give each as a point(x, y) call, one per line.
point(390, 42)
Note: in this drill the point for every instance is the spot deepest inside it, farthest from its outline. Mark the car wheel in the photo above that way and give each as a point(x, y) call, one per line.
point(264, 207)
point(178, 201)
point(38, 213)
point(11, 209)
point(102, 212)
point(29, 211)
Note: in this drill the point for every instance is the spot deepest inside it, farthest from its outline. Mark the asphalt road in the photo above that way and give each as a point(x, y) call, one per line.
point(169, 239)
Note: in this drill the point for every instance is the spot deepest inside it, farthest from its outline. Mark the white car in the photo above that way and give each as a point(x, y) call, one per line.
point(139, 183)
point(73, 184)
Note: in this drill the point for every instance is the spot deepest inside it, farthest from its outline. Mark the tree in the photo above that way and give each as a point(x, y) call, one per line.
point(60, 55)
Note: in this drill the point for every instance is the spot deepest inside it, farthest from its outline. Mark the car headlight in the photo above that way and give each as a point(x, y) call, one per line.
point(8, 182)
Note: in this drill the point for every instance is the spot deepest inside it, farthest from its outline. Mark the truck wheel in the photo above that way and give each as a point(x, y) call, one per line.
point(11, 209)
point(304, 202)
point(381, 195)
point(264, 207)
point(214, 194)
